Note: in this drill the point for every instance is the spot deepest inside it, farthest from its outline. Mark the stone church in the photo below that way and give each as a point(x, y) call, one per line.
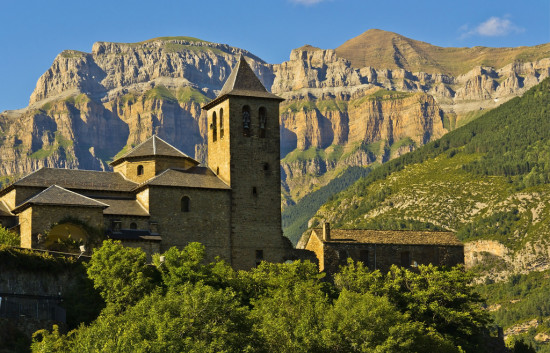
point(157, 197)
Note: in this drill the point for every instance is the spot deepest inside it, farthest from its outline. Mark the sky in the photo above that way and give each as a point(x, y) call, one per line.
point(33, 32)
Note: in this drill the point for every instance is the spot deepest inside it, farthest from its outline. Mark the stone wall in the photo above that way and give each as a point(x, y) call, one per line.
point(207, 222)
point(383, 256)
point(38, 219)
point(151, 166)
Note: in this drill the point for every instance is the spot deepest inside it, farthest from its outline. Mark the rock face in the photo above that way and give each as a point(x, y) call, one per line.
point(338, 112)
point(330, 102)
point(89, 106)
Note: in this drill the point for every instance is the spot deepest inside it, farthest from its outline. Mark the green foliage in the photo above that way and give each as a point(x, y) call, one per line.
point(521, 347)
point(9, 238)
point(35, 261)
point(521, 298)
point(160, 92)
point(61, 144)
point(443, 300)
point(190, 94)
point(499, 225)
point(120, 274)
point(296, 217)
point(469, 180)
point(199, 319)
point(78, 99)
point(290, 307)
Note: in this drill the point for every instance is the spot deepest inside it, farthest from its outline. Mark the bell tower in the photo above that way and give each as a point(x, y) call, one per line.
point(244, 151)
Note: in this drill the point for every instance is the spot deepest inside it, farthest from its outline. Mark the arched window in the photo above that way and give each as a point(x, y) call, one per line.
point(263, 120)
point(246, 121)
point(185, 204)
point(221, 123)
point(140, 170)
point(133, 225)
point(214, 127)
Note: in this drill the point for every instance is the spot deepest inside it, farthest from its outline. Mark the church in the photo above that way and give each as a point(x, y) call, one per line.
point(157, 197)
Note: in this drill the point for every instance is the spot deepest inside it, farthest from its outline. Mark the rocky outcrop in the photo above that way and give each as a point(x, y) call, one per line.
point(89, 106)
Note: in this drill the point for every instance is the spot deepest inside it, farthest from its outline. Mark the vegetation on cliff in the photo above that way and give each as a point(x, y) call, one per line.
point(486, 180)
point(193, 306)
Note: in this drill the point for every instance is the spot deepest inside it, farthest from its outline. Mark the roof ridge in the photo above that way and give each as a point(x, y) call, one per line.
point(177, 149)
point(133, 148)
point(76, 193)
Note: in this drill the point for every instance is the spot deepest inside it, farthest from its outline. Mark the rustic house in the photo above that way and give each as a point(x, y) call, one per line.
point(379, 249)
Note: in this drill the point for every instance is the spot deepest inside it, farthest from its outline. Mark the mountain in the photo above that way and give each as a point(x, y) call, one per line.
point(338, 114)
point(489, 181)
point(387, 50)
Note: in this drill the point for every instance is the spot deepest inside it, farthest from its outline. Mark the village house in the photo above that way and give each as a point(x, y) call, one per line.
point(380, 249)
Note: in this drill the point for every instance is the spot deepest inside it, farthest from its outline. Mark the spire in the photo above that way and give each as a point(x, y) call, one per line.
point(242, 78)
point(242, 82)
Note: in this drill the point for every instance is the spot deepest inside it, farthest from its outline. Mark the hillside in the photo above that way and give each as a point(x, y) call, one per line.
point(488, 181)
point(387, 50)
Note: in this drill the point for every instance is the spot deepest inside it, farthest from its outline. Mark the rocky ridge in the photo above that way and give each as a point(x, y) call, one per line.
point(89, 106)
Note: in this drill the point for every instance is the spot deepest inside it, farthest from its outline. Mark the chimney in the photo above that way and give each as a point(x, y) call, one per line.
point(326, 231)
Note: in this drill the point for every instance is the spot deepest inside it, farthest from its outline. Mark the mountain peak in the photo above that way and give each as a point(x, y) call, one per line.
point(388, 50)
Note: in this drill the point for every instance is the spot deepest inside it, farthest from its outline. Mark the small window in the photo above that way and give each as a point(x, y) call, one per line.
point(217, 170)
point(140, 170)
point(254, 191)
point(214, 127)
point(263, 120)
point(259, 254)
point(133, 225)
point(246, 121)
point(221, 123)
point(185, 204)
point(405, 259)
point(266, 167)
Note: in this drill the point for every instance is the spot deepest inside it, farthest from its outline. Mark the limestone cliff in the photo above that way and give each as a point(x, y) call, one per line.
point(89, 106)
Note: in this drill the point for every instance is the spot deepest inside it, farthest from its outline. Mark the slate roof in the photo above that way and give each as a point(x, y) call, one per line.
point(74, 179)
point(124, 207)
point(195, 177)
point(56, 195)
point(153, 146)
point(242, 82)
point(401, 237)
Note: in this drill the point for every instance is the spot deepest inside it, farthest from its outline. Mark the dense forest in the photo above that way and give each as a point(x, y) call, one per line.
point(181, 304)
point(514, 140)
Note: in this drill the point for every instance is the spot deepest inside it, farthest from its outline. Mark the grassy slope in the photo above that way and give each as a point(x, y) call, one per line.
point(387, 50)
point(488, 179)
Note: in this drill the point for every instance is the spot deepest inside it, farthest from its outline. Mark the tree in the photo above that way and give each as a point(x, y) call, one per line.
point(120, 274)
point(368, 323)
point(197, 318)
point(442, 299)
point(9, 238)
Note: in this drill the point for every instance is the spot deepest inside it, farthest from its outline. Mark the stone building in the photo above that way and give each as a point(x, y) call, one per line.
point(158, 197)
point(379, 249)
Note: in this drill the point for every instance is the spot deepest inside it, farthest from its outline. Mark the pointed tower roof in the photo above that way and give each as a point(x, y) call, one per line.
point(153, 146)
point(242, 82)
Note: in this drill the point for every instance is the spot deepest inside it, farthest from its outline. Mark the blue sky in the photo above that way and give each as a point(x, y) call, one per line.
point(33, 32)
